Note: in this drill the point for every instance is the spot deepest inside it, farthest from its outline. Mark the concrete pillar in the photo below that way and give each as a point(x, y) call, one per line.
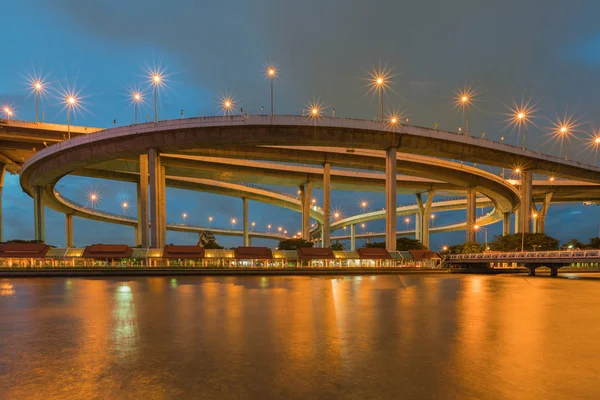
point(163, 207)
point(38, 213)
point(353, 237)
point(305, 199)
point(245, 221)
point(391, 172)
point(2, 173)
point(69, 229)
point(506, 224)
point(471, 213)
point(142, 203)
point(418, 225)
point(426, 221)
point(155, 209)
point(540, 221)
point(526, 202)
point(517, 219)
point(326, 205)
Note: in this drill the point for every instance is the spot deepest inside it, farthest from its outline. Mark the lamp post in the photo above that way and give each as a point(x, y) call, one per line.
point(37, 88)
point(8, 112)
point(137, 99)
point(156, 81)
point(564, 132)
point(477, 228)
point(271, 75)
point(71, 102)
point(184, 216)
point(124, 206)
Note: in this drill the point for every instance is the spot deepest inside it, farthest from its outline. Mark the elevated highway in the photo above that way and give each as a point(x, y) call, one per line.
point(368, 145)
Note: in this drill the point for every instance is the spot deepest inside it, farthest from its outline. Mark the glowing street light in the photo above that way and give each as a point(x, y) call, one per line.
point(364, 204)
point(279, 229)
point(7, 111)
point(233, 221)
point(407, 221)
point(124, 207)
point(253, 225)
point(269, 227)
point(562, 130)
point(227, 104)
point(380, 81)
point(93, 198)
point(363, 226)
point(432, 219)
point(520, 115)
point(210, 220)
point(478, 228)
point(271, 73)
point(463, 100)
point(71, 103)
point(37, 87)
point(184, 216)
point(136, 98)
point(156, 79)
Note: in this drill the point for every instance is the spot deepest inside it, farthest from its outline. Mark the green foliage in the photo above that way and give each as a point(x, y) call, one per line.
point(337, 246)
point(574, 244)
point(532, 241)
point(213, 245)
point(402, 244)
point(594, 243)
point(466, 248)
point(293, 244)
point(21, 241)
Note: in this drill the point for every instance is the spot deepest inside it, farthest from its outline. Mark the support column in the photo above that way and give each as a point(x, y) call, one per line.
point(517, 219)
point(163, 207)
point(142, 204)
point(541, 218)
point(245, 221)
point(2, 173)
point(419, 218)
point(69, 229)
point(353, 237)
point(471, 213)
point(326, 205)
point(506, 224)
point(38, 213)
point(526, 203)
point(391, 172)
point(155, 209)
point(426, 221)
point(305, 199)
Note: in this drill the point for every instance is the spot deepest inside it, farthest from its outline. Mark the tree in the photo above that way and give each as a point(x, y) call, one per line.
point(294, 244)
point(532, 241)
point(573, 244)
point(402, 244)
point(594, 243)
point(466, 248)
point(337, 246)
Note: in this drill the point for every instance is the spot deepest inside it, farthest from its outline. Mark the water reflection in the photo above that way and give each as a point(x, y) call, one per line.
point(125, 326)
point(415, 336)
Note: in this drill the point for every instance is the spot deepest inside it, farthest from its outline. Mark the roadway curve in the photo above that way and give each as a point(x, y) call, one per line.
point(364, 140)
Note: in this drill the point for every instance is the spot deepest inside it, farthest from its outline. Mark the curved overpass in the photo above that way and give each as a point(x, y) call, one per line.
point(283, 136)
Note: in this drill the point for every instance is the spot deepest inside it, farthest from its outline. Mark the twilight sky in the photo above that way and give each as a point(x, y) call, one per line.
point(548, 50)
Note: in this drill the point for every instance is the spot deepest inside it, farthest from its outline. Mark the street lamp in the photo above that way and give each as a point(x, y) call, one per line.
point(464, 98)
point(93, 198)
point(156, 79)
point(432, 219)
point(407, 221)
point(227, 104)
point(363, 226)
point(37, 87)
point(269, 227)
point(233, 221)
point(210, 220)
point(136, 98)
point(8, 112)
point(364, 204)
point(71, 103)
point(379, 81)
point(271, 73)
point(184, 216)
point(478, 228)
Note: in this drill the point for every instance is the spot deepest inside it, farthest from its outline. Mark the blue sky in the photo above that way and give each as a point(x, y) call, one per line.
point(548, 51)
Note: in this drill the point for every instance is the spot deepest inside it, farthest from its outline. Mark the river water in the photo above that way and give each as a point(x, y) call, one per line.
point(355, 337)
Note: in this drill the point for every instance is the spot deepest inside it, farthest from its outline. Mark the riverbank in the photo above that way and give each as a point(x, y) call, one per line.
point(170, 271)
